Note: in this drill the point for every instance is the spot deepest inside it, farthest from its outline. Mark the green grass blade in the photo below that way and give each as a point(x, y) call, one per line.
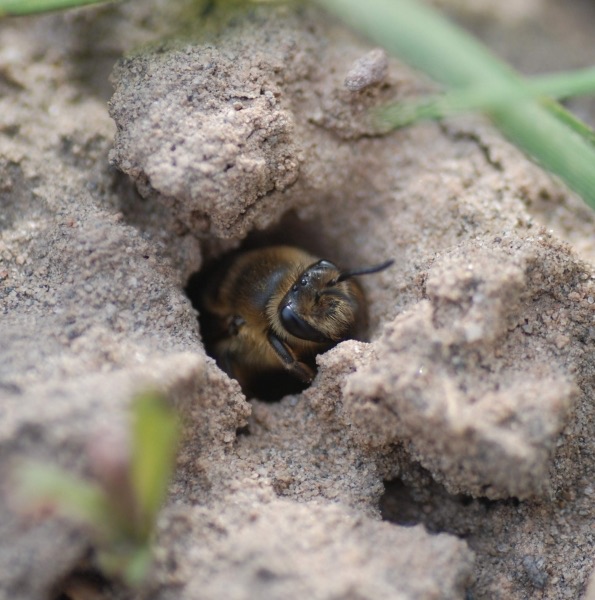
point(426, 40)
point(28, 7)
point(564, 85)
point(42, 485)
point(562, 151)
point(154, 442)
point(131, 562)
point(138, 565)
point(571, 121)
point(486, 99)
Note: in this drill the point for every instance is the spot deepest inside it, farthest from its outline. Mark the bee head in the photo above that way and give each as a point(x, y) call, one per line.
point(324, 303)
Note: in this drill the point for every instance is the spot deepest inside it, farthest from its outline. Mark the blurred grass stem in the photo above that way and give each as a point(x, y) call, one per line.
point(487, 98)
point(28, 7)
point(426, 40)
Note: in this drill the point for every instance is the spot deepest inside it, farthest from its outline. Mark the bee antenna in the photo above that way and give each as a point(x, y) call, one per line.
point(365, 271)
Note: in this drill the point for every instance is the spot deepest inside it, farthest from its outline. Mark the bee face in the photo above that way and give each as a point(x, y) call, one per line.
point(318, 307)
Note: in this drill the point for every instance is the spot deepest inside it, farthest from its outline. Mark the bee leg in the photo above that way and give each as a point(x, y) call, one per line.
point(297, 368)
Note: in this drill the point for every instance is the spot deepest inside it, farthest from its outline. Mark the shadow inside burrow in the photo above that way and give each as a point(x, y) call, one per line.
point(86, 581)
point(269, 385)
point(422, 500)
point(484, 525)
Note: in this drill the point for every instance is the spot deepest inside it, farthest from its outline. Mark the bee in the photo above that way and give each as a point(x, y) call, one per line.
point(266, 313)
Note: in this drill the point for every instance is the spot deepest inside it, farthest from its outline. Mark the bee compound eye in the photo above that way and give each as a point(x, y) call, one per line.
point(303, 282)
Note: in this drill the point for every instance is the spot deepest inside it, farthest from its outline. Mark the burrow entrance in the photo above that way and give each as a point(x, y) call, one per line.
point(203, 286)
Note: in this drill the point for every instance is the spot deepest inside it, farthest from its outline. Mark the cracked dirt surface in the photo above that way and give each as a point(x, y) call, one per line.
point(450, 455)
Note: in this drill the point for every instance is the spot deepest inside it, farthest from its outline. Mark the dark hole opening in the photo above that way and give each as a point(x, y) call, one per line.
point(85, 583)
point(423, 500)
point(207, 294)
point(399, 505)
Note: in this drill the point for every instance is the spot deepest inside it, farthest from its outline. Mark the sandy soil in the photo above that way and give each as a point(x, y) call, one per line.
point(449, 457)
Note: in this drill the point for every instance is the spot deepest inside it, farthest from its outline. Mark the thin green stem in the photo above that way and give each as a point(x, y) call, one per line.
point(488, 98)
point(428, 41)
point(28, 7)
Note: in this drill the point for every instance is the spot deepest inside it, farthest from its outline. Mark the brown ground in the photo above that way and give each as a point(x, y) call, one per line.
point(451, 457)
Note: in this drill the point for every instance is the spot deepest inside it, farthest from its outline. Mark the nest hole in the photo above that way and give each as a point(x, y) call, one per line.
point(311, 236)
point(87, 583)
point(428, 502)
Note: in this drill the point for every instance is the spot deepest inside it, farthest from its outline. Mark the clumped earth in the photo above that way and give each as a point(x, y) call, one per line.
point(449, 457)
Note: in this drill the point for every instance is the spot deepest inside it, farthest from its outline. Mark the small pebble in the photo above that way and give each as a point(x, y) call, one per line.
point(370, 69)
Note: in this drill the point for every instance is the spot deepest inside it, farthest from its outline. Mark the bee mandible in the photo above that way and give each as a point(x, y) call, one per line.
point(272, 310)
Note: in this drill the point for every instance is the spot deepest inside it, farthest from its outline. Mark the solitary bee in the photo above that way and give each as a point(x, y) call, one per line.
point(267, 313)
